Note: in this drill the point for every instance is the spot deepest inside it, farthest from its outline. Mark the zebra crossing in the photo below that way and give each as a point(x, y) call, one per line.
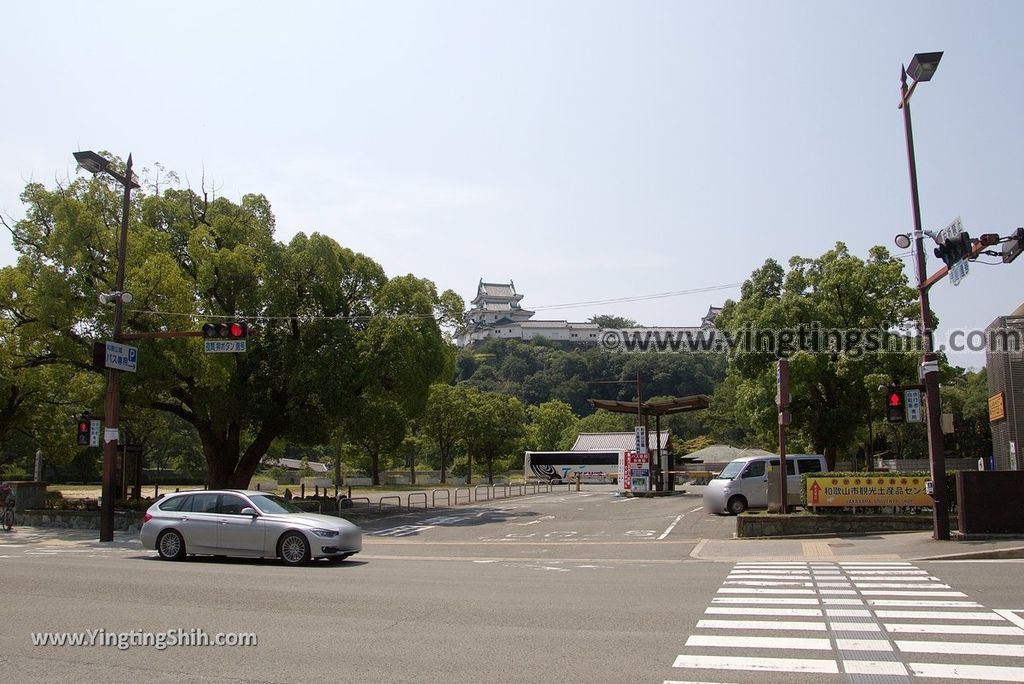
point(859, 621)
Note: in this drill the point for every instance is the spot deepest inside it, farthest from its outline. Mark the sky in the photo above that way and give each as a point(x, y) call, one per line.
point(586, 150)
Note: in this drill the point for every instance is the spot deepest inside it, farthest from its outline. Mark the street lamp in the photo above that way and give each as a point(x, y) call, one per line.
point(922, 68)
point(94, 163)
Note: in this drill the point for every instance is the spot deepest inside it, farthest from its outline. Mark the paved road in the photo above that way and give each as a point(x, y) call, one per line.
point(550, 588)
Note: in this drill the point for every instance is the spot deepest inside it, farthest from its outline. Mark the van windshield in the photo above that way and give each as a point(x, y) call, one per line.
point(730, 471)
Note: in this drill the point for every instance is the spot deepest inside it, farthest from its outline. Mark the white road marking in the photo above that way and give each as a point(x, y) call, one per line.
point(843, 612)
point(674, 523)
point(936, 615)
point(758, 664)
point(729, 590)
point(855, 627)
point(892, 592)
point(777, 612)
point(769, 583)
point(842, 602)
point(990, 673)
point(898, 585)
point(918, 628)
point(761, 624)
point(795, 643)
point(874, 667)
point(863, 645)
point(1012, 616)
point(755, 600)
point(897, 603)
point(961, 648)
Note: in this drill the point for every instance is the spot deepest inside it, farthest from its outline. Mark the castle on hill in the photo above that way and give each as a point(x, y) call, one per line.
point(497, 312)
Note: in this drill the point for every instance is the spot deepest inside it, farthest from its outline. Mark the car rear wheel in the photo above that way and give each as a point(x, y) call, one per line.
point(293, 549)
point(170, 545)
point(737, 505)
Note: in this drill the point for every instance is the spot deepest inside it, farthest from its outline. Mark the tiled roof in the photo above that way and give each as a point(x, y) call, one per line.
point(497, 289)
point(589, 441)
point(723, 453)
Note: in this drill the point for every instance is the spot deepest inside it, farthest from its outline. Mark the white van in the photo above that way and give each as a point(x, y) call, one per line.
point(743, 483)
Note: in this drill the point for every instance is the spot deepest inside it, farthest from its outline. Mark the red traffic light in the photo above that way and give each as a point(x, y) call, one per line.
point(894, 409)
point(83, 433)
point(235, 330)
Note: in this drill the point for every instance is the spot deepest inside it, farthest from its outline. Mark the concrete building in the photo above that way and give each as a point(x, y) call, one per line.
point(1006, 389)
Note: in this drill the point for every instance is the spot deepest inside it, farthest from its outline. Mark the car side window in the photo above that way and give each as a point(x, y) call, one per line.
point(755, 469)
point(810, 465)
point(174, 503)
point(204, 503)
point(231, 504)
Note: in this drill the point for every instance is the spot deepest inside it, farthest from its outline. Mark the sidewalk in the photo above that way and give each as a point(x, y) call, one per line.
point(915, 546)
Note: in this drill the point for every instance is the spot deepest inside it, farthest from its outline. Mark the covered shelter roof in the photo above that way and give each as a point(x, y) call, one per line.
point(660, 407)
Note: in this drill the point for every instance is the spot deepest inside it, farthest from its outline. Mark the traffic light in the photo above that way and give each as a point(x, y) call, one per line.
point(952, 250)
point(234, 330)
point(895, 411)
point(83, 431)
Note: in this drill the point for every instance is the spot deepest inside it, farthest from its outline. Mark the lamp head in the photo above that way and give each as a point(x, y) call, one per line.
point(91, 162)
point(923, 65)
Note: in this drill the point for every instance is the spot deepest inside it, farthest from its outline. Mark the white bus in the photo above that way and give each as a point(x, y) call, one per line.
point(564, 466)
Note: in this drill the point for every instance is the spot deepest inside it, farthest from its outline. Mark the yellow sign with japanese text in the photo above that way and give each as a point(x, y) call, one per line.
point(868, 490)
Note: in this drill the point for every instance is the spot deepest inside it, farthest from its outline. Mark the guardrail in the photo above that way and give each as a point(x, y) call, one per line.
point(446, 497)
point(380, 503)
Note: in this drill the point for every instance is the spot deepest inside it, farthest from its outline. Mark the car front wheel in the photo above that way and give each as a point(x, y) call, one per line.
point(737, 505)
point(293, 549)
point(170, 545)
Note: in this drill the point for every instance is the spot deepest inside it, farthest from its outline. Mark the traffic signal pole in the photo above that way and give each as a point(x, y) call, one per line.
point(929, 364)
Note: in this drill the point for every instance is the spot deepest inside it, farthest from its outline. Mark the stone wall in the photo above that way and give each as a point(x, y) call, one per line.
point(124, 521)
point(802, 525)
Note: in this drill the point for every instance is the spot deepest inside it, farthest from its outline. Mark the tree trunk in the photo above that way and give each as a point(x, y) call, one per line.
point(469, 466)
point(490, 469)
point(375, 467)
point(830, 457)
point(444, 466)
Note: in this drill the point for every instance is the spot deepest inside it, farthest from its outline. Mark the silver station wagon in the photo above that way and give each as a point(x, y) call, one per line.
point(245, 523)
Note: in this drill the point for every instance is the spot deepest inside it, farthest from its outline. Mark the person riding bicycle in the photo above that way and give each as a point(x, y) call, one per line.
point(6, 494)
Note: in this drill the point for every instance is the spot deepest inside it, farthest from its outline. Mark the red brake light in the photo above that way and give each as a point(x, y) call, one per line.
point(146, 518)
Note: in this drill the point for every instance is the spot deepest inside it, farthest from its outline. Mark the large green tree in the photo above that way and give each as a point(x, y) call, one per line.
point(839, 292)
point(329, 331)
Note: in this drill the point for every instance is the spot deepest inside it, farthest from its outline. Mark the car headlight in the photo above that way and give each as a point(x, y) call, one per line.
point(326, 534)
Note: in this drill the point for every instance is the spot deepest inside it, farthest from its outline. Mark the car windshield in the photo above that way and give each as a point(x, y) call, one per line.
point(731, 471)
point(269, 503)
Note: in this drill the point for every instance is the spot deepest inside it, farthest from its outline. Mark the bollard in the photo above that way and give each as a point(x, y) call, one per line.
point(302, 490)
point(578, 479)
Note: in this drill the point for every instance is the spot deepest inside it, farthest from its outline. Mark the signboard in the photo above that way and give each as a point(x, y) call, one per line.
point(121, 357)
point(636, 472)
point(111, 434)
point(641, 439)
point(912, 403)
point(870, 490)
point(229, 346)
point(996, 408)
point(957, 271)
point(94, 432)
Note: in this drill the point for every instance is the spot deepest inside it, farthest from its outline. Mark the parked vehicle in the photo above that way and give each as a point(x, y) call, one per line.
point(565, 466)
point(245, 523)
point(743, 483)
